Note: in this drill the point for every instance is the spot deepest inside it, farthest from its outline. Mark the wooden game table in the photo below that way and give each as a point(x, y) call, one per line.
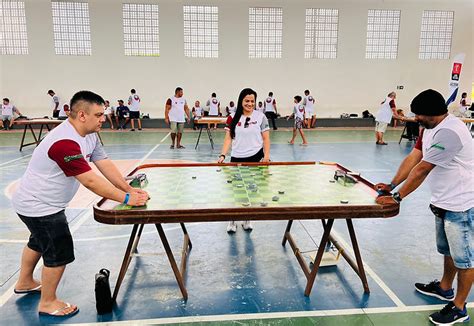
point(247, 192)
point(43, 123)
point(207, 122)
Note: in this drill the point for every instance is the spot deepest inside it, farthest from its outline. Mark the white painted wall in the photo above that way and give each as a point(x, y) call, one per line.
point(349, 83)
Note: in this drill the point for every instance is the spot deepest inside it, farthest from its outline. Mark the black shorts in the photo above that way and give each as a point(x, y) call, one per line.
point(255, 158)
point(51, 237)
point(134, 114)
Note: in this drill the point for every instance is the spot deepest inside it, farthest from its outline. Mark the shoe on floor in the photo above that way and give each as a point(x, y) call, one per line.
point(171, 146)
point(57, 312)
point(247, 226)
point(433, 289)
point(180, 147)
point(232, 227)
point(132, 129)
point(449, 315)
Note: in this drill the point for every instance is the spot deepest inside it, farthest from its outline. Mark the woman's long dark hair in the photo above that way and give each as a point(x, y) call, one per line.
point(240, 109)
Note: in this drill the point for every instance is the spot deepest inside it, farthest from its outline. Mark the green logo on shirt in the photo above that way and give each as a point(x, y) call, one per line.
point(438, 146)
point(70, 158)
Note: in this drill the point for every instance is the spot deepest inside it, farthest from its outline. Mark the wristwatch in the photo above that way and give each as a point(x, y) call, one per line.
point(396, 197)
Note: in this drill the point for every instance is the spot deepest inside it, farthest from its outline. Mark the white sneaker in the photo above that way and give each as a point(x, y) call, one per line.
point(232, 227)
point(247, 226)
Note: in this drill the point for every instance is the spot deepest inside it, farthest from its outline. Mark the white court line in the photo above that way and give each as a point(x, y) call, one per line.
point(273, 315)
point(14, 160)
point(9, 293)
point(371, 272)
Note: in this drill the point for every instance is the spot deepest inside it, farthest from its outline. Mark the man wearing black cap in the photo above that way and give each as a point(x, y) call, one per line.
point(444, 153)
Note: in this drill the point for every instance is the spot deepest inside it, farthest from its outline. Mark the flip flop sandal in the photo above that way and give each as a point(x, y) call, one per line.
point(57, 312)
point(34, 290)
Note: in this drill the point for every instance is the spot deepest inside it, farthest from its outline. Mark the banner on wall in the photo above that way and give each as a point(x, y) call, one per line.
point(454, 79)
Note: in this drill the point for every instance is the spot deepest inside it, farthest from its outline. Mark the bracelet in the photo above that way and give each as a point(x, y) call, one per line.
point(127, 197)
point(222, 155)
point(392, 185)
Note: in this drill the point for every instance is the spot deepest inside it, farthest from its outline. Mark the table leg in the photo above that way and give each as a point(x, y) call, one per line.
point(174, 266)
point(199, 137)
point(187, 246)
point(126, 260)
point(287, 231)
point(319, 257)
point(140, 230)
point(209, 134)
point(358, 257)
point(40, 133)
point(23, 138)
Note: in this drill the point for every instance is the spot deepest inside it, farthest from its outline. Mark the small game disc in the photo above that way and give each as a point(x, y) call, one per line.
point(240, 185)
point(281, 192)
point(246, 204)
point(344, 202)
point(263, 204)
point(332, 181)
point(229, 181)
point(275, 198)
point(218, 170)
point(194, 177)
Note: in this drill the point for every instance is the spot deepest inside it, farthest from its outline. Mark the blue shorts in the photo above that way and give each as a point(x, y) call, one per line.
point(454, 237)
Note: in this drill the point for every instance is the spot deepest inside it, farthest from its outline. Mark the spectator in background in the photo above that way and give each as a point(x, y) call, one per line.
point(176, 114)
point(387, 111)
point(64, 112)
point(55, 100)
point(8, 112)
point(231, 108)
point(109, 113)
point(271, 109)
point(134, 107)
point(310, 115)
point(464, 106)
point(214, 106)
point(260, 107)
point(198, 112)
point(122, 115)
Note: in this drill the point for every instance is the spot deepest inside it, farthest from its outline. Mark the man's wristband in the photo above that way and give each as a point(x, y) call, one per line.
point(396, 197)
point(392, 185)
point(127, 197)
point(222, 156)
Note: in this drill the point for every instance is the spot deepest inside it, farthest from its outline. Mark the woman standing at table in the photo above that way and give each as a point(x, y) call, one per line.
point(247, 130)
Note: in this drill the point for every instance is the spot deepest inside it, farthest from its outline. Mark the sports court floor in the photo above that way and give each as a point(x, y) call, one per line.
point(246, 278)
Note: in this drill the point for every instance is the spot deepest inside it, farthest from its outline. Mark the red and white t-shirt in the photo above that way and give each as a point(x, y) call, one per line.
point(248, 139)
point(134, 102)
point(308, 103)
point(177, 113)
point(269, 104)
point(299, 111)
point(49, 182)
point(213, 104)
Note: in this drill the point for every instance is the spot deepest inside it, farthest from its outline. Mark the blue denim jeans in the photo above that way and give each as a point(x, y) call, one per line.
point(454, 237)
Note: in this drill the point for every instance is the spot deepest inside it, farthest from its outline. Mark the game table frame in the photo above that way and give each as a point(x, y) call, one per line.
point(208, 121)
point(43, 123)
point(327, 215)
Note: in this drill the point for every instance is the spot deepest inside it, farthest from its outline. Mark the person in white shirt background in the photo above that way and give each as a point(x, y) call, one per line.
point(270, 109)
point(134, 107)
point(198, 112)
point(387, 111)
point(231, 108)
point(7, 114)
point(214, 106)
point(55, 101)
point(176, 114)
point(109, 113)
point(310, 115)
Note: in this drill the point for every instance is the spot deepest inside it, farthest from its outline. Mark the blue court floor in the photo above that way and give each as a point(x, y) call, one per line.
point(233, 277)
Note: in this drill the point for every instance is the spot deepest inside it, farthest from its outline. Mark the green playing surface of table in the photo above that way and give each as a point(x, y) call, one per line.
point(212, 187)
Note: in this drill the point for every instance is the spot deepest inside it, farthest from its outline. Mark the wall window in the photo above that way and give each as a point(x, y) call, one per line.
point(71, 27)
point(140, 29)
point(201, 31)
point(383, 27)
point(436, 34)
point(265, 32)
point(320, 38)
point(13, 36)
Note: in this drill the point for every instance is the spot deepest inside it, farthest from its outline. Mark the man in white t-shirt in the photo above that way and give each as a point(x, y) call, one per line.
point(443, 154)
point(214, 106)
point(7, 114)
point(55, 103)
point(270, 109)
point(387, 110)
point(310, 114)
point(176, 114)
point(134, 107)
point(58, 166)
